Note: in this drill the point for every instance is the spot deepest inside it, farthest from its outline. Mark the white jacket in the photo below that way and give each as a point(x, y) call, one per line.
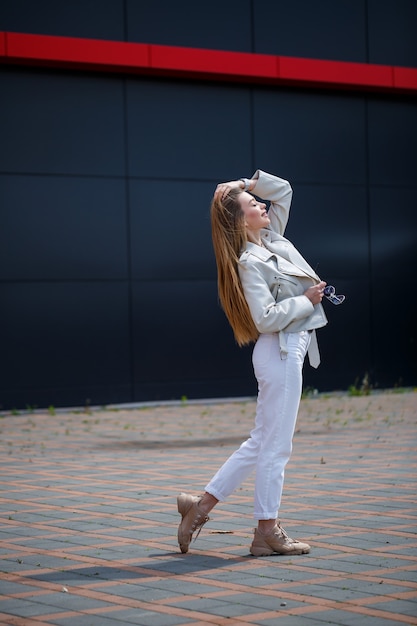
point(275, 279)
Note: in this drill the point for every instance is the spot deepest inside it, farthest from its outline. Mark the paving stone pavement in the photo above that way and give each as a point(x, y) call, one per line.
point(88, 517)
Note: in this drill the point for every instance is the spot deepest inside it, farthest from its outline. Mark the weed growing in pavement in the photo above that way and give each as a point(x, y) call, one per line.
point(363, 390)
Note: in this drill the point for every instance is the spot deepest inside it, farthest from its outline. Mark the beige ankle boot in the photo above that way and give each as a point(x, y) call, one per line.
point(276, 541)
point(192, 517)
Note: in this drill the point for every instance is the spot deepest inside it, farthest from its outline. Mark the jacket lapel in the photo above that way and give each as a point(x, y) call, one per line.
point(285, 251)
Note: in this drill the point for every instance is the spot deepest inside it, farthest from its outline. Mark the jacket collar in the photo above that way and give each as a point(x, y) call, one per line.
point(295, 257)
point(258, 251)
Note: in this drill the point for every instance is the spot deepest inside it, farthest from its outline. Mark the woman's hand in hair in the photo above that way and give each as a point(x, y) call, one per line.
point(223, 189)
point(315, 294)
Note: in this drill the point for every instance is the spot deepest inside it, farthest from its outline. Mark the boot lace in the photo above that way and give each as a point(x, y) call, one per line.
point(282, 533)
point(198, 522)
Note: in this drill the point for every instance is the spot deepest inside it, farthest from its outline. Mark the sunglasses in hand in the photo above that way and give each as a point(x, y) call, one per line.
point(330, 294)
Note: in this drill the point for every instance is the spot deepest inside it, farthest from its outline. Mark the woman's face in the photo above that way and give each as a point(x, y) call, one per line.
point(256, 216)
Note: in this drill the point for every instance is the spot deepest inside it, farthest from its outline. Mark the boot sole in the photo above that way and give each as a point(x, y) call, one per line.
point(182, 510)
point(270, 552)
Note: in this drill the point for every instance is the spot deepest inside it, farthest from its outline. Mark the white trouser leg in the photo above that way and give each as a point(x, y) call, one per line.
point(269, 446)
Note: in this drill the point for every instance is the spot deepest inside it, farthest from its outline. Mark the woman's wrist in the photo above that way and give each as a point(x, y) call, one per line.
point(247, 184)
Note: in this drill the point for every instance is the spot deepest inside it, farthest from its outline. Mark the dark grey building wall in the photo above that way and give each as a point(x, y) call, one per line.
point(107, 277)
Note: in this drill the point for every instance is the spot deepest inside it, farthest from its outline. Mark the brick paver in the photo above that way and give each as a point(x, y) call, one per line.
point(88, 517)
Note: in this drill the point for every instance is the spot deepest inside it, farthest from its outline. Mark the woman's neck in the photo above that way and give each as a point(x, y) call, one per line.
point(255, 237)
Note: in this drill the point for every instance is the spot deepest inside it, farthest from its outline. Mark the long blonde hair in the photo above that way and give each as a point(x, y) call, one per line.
point(229, 240)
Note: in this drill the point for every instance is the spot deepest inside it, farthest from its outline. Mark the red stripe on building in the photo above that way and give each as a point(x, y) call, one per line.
point(200, 64)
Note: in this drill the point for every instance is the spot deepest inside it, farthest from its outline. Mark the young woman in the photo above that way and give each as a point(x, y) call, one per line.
point(271, 297)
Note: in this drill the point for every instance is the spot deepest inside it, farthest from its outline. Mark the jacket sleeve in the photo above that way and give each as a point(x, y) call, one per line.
point(270, 316)
point(278, 191)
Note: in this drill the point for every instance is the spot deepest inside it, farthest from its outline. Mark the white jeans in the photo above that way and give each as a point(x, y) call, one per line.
point(269, 446)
